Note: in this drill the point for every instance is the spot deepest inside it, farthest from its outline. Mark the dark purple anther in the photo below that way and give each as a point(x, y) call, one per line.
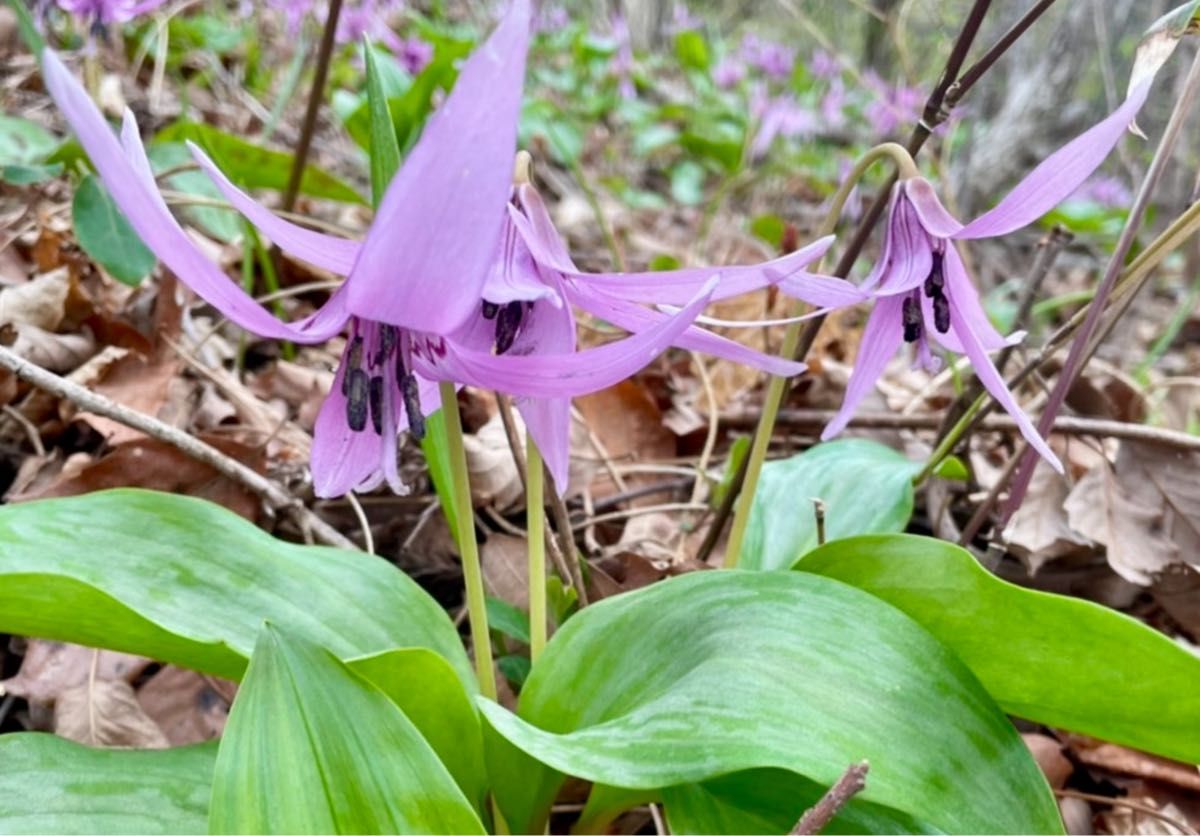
point(410, 391)
point(911, 316)
point(387, 343)
point(937, 279)
point(376, 400)
point(941, 313)
point(357, 394)
point(508, 325)
point(353, 361)
point(490, 309)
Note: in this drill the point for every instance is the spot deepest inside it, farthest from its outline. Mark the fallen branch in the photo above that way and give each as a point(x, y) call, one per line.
point(852, 782)
point(1066, 424)
point(276, 498)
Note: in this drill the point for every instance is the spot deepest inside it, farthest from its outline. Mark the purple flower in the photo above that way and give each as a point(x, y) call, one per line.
point(622, 63)
point(358, 19)
point(417, 277)
point(774, 60)
point(728, 73)
point(414, 55)
point(460, 278)
point(833, 105)
point(782, 116)
point(1106, 191)
point(922, 289)
point(551, 19)
point(825, 65)
point(105, 12)
point(892, 106)
point(682, 20)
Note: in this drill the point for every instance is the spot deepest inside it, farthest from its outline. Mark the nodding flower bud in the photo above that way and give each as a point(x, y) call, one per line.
point(508, 325)
point(911, 317)
point(357, 395)
point(935, 284)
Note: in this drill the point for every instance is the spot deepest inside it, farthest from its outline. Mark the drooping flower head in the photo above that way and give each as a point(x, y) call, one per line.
point(922, 289)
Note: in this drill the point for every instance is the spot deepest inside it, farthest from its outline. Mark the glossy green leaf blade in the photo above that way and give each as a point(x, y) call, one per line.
point(771, 801)
point(51, 785)
point(312, 747)
point(1060, 661)
point(255, 167)
point(716, 672)
point(432, 696)
point(105, 234)
point(186, 581)
point(384, 149)
point(866, 488)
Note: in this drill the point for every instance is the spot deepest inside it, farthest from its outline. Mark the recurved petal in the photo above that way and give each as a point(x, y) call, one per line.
point(1058, 175)
point(907, 252)
point(880, 340)
point(936, 219)
point(425, 259)
point(636, 318)
point(514, 276)
point(549, 423)
point(329, 252)
point(125, 172)
point(994, 383)
point(560, 375)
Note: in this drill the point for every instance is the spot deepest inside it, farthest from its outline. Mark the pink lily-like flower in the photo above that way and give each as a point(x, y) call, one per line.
point(426, 286)
point(922, 288)
point(100, 13)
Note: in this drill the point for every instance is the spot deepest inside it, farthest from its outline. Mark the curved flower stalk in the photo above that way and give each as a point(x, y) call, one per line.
point(922, 289)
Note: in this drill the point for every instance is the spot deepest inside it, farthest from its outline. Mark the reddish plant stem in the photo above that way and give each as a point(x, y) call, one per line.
point(315, 96)
point(1081, 346)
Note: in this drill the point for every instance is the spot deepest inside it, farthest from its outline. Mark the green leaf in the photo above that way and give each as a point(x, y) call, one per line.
point(866, 488)
point(1060, 661)
point(431, 695)
point(105, 234)
point(186, 581)
point(717, 672)
point(769, 228)
point(737, 454)
point(51, 785)
point(437, 458)
point(508, 620)
point(687, 182)
point(312, 747)
point(771, 801)
point(255, 167)
point(952, 468)
point(384, 148)
point(692, 51)
point(515, 668)
point(719, 140)
point(222, 224)
point(653, 137)
point(28, 175)
point(23, 142)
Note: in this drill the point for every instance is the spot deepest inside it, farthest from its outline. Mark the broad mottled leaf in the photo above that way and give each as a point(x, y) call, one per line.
point(866, 488)
point(23, 142)
point(312, 747)
point(1059, 661)
point(50, 785)
point(185, 581)
point(718, 672)
point(105, 234)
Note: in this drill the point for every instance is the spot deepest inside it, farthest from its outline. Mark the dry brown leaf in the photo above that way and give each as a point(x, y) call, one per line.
point(493, 471)
point(156, 465)
point(187, 706)
point(1125, 761)
point(1039, 531)
point(1048, 753)
point(58, 353)
point(136, 382)
point(40, 302)
point(505, 560)
point(1145, 509)
point(106, 713)
point(302, 387)
point(49, 668)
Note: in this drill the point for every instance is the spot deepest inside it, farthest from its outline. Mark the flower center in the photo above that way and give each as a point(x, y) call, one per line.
point(369, 388)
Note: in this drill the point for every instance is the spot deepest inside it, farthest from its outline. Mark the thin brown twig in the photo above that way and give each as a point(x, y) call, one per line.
point(315, 97)
point(566, 541)
point(852, 782)
point(1082, 346)
point(273, 494)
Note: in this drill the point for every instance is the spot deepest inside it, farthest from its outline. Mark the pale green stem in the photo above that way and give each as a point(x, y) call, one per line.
point(535, 524)
point(906, 168)
point(481, 639)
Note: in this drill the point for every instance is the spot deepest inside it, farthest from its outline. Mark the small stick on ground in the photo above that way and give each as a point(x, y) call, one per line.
point(819, 512)
point(852, 782)
point(275, 496)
